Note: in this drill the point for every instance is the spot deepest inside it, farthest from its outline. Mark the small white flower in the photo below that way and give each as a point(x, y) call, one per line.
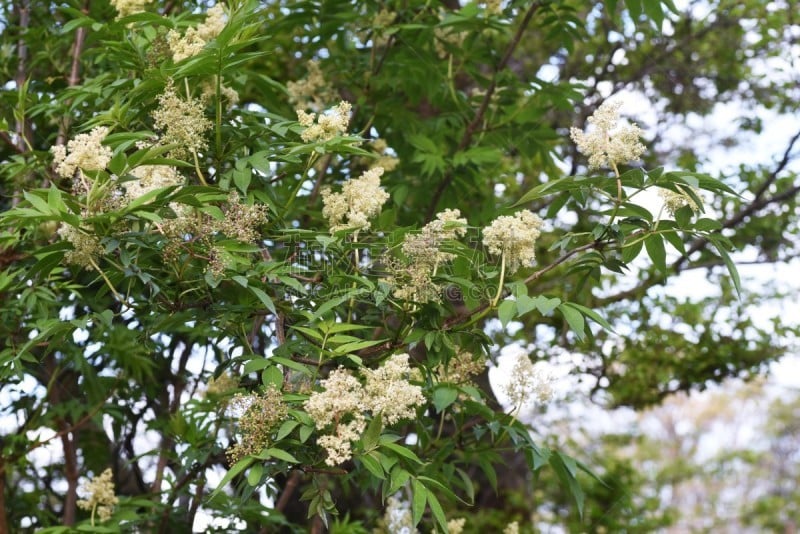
point(608, 144)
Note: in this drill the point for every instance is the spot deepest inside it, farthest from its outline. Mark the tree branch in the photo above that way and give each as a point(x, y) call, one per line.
point(472, 127)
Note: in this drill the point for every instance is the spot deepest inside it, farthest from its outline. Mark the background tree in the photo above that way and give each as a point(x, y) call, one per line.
point(201, 279)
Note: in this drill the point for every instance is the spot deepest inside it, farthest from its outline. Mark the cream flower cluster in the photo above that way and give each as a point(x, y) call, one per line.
point(344, 400)
point(182, 121)
point(258, 417)
point(101, 498)
point(514, 237)
point(150, 178)
point(313, 91)
point(86, 248)
point(461, 368)
point(327, 126)
point(414, 281)
point(398, 517)
point(608, 144)
point(195, 39)
point(673, 201)
point(528, 382)
point(361, 199)
point(456, 526)
point(85, 152)
point(129, 7)
point(386, 160)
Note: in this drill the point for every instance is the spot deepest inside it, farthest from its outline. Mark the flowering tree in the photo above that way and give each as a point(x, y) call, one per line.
point(277, 244)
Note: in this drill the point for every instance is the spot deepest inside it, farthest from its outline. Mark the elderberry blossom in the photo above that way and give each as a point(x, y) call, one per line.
point(258, 418)
point(456, 526)
point(673, 200)
point(313, 91)
point(101, 500)
point(195, 39)
point(182, 122)
point(340, 409)
point(528, 382)
point(514, 237)
point(414, 280)
point(129, 7)
point(327, 126)
point(608, 144)
point(150, 178)
point(85, 152)
point(398, 517)
point(361, 199)
point(389, 393)
point(86, 248)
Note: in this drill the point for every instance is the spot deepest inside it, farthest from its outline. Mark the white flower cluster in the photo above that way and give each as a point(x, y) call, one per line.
point(361, 199)
point(182, 121)
point(101, 496)
point(313, 91)
point(85, 152)
point(528, 382)
point(343, 402)
point(414, 281)
point(511, 528)
point(327, 126)
point(398, 517)
point(607, 144)
point(86, 248)
point(386, 160)
point(456, 526)
point(192, 42)
point(129, 7)
point(514, 237)
point(150, 178)
point(673, 201)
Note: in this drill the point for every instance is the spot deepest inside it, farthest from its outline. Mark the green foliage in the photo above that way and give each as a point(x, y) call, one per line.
point(150, 301)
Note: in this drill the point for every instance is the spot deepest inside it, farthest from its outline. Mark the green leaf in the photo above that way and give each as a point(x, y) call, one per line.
point(418, 499)
point(574, 319)
point(591, 314)
point(236, 469)
point(400, 450)
point(272, 377)
point(286, 428)
point(370, 438)
point(254, 475)
point(655, 249)
point(281, 454)
point(372, 465)
point(506, 311)
point(438, 513)
point(263, 297)
point(566, 470)
point(732, 270)
point(630, 252)
point(444, 396)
